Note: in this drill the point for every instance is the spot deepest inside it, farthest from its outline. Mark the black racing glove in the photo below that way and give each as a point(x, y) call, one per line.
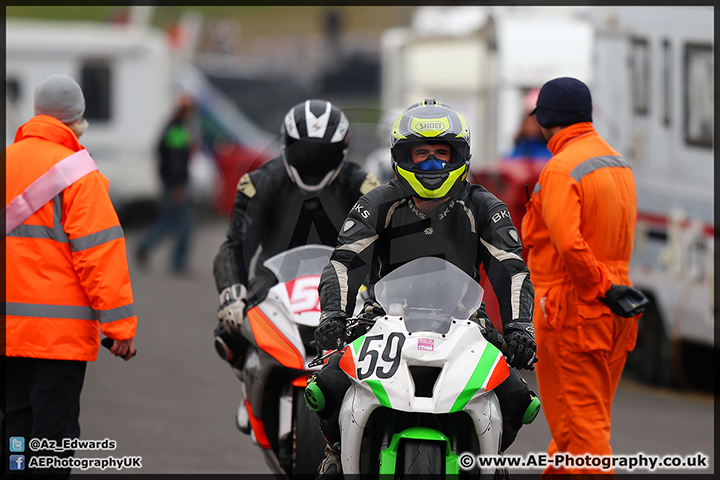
point(520, 338)
point(329, 334)
point(371, 310)
point(625, 301)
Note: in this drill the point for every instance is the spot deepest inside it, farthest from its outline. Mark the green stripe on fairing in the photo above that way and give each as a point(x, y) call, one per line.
point(375, 385)
point(379, 392)
point(357, 344)
point(478, 377)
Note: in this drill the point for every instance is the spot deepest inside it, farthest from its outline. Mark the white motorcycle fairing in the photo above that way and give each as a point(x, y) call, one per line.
point(424, 358)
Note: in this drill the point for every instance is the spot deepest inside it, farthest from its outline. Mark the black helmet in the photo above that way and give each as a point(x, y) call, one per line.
point(430, 122)
point(316, 136)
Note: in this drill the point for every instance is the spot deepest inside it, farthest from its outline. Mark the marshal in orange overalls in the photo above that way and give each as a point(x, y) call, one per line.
point(579, 230)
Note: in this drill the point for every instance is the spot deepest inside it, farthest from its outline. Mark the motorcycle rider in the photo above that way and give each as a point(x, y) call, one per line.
point(429, 209)
point(300, 197)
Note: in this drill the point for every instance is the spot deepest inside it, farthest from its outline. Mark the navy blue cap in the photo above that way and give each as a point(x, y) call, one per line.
point(563, 101)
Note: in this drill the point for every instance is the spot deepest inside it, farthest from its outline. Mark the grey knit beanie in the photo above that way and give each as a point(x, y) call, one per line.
point(61, 97)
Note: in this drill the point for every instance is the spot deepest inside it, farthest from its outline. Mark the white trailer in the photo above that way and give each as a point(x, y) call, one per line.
point(126, 74)
point(482, 61)
point(653, 100)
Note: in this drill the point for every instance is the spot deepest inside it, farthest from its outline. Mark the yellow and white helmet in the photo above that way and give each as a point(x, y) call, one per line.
point(430, 121)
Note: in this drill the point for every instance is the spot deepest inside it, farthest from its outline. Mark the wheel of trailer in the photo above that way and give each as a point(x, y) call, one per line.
point(421, 458)
point(308, 441)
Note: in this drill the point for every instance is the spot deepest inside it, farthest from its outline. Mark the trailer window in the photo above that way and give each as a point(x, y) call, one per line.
point(12, 90)
point(96, 82)
point(640, 75)
point(699, 97)
point(666, 82)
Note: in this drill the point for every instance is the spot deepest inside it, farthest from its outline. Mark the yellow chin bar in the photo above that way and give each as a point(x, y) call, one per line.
point(438, 192)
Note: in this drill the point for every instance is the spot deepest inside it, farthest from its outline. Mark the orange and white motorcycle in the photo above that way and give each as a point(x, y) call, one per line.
point(274, 371)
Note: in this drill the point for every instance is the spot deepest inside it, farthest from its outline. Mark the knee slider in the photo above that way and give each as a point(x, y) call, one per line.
point(532, 410)
point(314, 396)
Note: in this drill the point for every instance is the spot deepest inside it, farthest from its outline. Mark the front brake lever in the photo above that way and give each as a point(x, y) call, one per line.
point(320, 358)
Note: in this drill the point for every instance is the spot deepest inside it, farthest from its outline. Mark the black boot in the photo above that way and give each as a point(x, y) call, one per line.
point(331, 466)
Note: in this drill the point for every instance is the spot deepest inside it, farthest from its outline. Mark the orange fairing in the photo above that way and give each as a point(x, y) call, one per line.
point(347, 364)
point(301, 381)
point(258, 428)
point(272, 341)
point(498, 375)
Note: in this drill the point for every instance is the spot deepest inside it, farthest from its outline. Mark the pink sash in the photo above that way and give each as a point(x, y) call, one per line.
point(63, 174)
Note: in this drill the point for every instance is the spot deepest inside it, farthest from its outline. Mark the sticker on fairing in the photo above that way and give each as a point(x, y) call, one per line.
point(427, 344)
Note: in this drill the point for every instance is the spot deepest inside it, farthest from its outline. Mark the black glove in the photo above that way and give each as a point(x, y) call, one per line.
point(625, 301)
point(520, 338)
point(371, 310)
point(329, 334)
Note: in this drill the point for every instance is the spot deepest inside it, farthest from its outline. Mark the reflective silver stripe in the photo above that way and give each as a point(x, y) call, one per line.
point(391, 211)
point(515, 290)
point(68, 311)
point(95, 239)
point(500, 255)
point(470, 215)
point(116, 313)
point(39, 231)
point(592, 164)
point(360, 245)
point(49, 311)
point(537, 187)
point(341, 273)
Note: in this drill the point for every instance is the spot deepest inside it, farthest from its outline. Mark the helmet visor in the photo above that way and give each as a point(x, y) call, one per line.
point(314, 159)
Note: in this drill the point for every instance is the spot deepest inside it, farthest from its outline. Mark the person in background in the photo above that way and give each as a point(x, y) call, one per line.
point(177, 142)
point(529, 142)
point(299, 198)
point(579, 230)
point(67, 276)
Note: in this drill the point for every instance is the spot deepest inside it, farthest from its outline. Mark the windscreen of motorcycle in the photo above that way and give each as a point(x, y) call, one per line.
point(299, 262)
point(429, 293)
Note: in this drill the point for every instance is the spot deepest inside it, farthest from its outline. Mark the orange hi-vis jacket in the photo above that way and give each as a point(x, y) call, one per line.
point(581, 233)
point(66, 264)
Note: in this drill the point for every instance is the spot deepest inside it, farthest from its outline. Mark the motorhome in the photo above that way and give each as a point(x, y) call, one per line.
point(653, 100)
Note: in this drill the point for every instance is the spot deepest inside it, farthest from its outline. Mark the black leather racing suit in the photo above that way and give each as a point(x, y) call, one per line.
point(272, 214)
point(385, 229)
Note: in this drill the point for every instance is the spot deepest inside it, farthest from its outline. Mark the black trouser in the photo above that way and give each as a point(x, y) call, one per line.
point(513, 395)
point(42, 401)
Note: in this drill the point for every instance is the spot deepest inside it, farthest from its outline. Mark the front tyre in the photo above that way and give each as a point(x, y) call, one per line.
point(422, 457)
point(308, 441)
